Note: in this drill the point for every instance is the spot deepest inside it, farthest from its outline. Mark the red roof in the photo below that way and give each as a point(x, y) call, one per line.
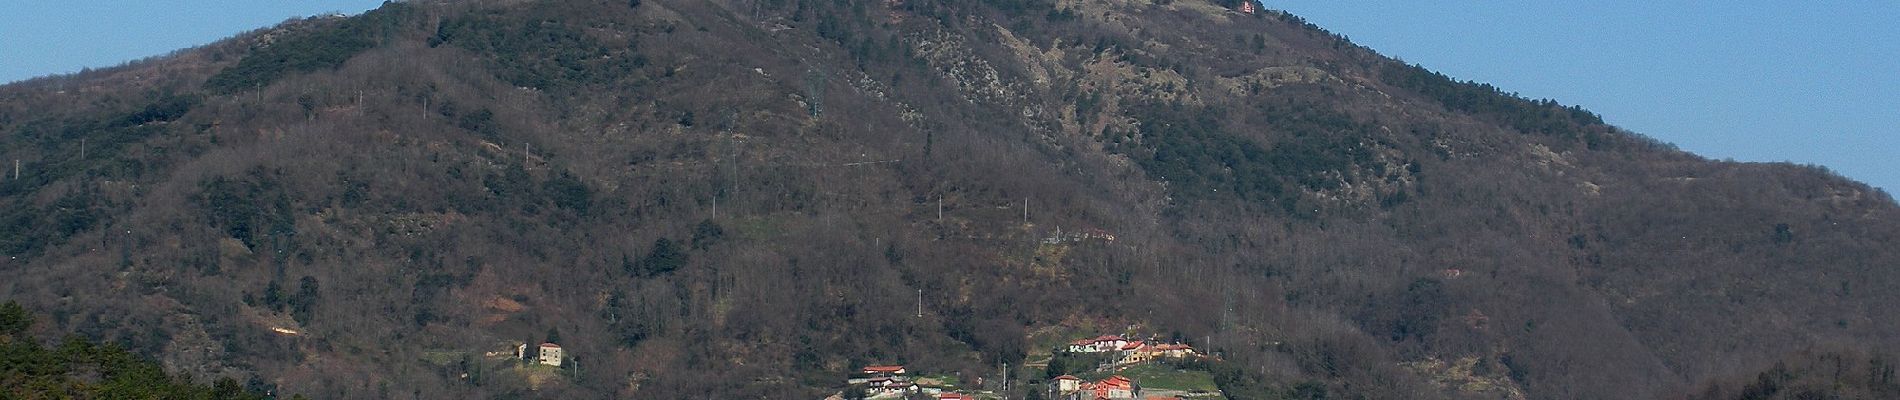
point(886, 369)
point(1068, 378)
point(548, 345)
point(1132, 345)
point(953, 396)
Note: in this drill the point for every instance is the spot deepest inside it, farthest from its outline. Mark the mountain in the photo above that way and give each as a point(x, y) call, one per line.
point(741, 199)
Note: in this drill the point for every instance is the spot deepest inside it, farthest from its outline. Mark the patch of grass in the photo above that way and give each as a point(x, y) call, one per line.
point(443, 357)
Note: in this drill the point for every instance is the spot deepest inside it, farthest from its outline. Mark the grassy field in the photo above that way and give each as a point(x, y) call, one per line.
point(1159, 376)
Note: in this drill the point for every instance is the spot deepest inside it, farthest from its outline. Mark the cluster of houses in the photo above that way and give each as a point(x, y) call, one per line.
point(883, 380)
point(1131, 351)
point(1069, 387)
point(892, 381)
point(1123, 352)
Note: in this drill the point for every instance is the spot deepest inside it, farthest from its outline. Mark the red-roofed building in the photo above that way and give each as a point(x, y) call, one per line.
point(953, 396)
point(1114, 387)
point(1137, 351)
point(884, 370)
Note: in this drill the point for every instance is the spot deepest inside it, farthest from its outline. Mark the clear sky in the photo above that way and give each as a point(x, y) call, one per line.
point(45, 37)
point(1815, 82)
point(1810, 82)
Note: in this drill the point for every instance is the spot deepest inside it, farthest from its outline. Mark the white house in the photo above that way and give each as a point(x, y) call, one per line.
point(1067, 383)
point(1104, 343)
point(550, 354)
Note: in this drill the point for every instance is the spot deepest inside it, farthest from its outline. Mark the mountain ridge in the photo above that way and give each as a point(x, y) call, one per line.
point(426, 164)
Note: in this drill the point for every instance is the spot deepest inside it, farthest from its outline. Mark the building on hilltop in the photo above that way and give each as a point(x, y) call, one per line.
point(549, 354)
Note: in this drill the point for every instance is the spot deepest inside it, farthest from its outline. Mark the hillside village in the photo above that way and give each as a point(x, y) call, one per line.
point(1115, 367)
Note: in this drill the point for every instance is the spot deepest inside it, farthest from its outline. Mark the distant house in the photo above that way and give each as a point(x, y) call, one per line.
point(883, 370)
point(1174, 350)
point(884, 380)
point(1114, 387)
point(549, 354)
point(1137, 351)
point(953, 396)
point(1249, 7)
point(1101, 344)
point(889, 386)
point(1066, 383)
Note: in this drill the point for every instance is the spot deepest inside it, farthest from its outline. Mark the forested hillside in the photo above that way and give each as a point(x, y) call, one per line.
point(753, 198)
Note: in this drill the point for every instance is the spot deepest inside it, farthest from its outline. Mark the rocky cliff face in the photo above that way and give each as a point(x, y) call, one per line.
point(752, 198)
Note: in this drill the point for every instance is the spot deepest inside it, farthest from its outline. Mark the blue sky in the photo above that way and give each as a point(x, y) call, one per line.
point(1809, 82)
point(1814, 82)
point(44, 37)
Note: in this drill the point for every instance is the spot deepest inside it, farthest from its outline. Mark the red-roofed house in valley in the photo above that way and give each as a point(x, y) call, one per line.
point(953, 396)
point(1137, 351)
point(885, 370)
point(1115, 387)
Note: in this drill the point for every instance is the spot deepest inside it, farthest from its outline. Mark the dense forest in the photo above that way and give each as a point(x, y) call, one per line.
point(79, 368)
point(753, 198)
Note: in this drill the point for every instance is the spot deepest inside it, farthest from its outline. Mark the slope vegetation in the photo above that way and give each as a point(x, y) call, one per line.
point(744, 199)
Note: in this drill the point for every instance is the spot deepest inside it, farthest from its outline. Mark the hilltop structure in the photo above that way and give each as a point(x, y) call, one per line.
point(549, 354)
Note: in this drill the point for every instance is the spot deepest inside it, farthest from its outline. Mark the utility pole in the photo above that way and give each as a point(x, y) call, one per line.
point(920, 303)
point(16, 169)
point(1025, 210)
point(939, 209)
point(1005, 372)
point(82, 148)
